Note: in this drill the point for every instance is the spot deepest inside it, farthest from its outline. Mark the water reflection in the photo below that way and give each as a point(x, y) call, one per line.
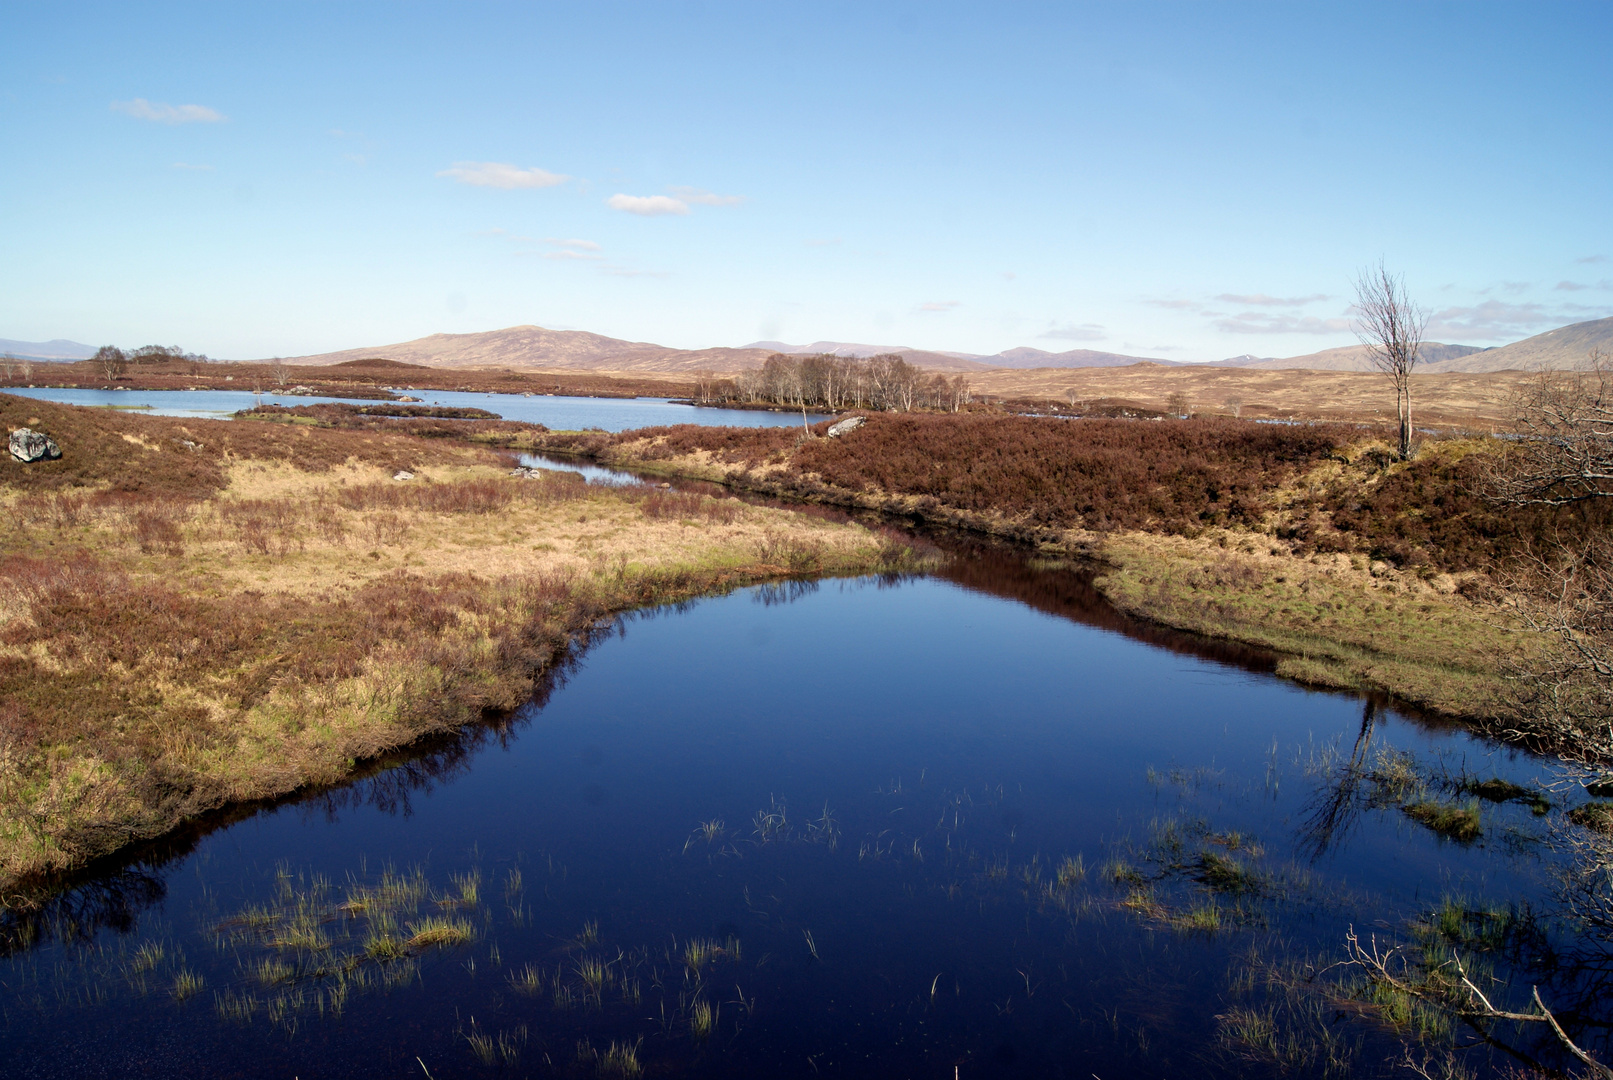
point(871, 827)
point(1337, 804)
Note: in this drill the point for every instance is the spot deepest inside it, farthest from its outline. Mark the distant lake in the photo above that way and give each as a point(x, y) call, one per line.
point(556, 413)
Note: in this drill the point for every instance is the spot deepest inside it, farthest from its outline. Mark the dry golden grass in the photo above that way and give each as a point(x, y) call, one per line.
point(163, 656)
point(1445, 399)
point(1338, 620)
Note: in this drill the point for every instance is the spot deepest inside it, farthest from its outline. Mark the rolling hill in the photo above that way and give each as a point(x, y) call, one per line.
point(538, 348)
point(1567, 347)
point(57, 349)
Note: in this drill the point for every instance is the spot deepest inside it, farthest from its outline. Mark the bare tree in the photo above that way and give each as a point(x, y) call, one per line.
point(1565, 452)
point(8, 365)
point(280, 371)
point(111, 360)
point(1391, 327)
point(1178, 405)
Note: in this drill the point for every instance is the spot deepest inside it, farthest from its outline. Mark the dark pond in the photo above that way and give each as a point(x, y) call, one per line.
point(558, 413)
point(970, 825)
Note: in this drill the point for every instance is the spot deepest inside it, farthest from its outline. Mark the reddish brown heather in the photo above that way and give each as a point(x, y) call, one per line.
point(184, 458)
point(1321, 488)
point(1095, 474)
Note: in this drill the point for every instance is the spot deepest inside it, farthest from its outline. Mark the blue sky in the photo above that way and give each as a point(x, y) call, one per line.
point(1191, 181)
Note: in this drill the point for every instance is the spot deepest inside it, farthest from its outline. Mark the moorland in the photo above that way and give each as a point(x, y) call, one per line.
point(200, 613)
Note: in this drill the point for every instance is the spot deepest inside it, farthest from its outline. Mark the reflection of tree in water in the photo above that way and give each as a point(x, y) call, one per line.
point(1335, 809)
point(110, 902)
point(112, 893)
point(775, 594)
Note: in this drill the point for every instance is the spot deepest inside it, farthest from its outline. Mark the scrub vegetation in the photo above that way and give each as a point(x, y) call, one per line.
point(1362, 571)
point(198, 613)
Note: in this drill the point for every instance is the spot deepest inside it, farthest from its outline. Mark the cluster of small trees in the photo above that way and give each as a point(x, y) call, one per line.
point(113, 361)
point(829, 382)
point(16, 367)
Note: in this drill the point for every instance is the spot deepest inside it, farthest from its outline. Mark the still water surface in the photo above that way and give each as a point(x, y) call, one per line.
point(854, 797)
point(558, 413)
point(954, 825)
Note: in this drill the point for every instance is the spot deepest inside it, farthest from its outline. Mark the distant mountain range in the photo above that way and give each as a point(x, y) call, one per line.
point(58, 349)
point(539, 348)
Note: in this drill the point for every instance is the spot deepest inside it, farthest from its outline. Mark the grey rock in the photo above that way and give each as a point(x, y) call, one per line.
point(849, 424)
point(403, 474)
point(30, 445)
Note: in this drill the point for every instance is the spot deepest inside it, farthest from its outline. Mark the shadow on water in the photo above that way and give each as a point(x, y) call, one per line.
point(111, 892)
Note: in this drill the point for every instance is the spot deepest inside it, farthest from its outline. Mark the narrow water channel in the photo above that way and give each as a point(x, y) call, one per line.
point(971, 824)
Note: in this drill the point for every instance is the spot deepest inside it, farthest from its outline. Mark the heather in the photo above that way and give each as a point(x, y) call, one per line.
point(200, 613)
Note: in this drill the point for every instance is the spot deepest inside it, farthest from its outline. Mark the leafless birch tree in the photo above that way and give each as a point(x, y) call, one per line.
point(1391, 327)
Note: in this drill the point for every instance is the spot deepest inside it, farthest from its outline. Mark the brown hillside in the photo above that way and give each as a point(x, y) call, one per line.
point(1459, 399)
point(533, 347)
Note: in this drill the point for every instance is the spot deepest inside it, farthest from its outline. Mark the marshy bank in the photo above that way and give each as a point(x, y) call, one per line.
point(1005, 842)
point(196, 613)
point(1369, 574)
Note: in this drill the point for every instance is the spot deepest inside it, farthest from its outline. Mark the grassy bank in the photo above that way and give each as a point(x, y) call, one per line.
point(194, 613)
point(1364, 572)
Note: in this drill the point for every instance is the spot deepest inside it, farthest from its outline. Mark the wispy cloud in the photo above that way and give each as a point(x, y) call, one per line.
point(1570, 286)
point(941, 305)
point(1495, 320)
point(161, 113)
point(702, 197)
point(647, 205)
point(1173, 305)
point(187, 167)
point(1262, 300)
point(579, 245)
point(1592, 259)
point(1072, 332)
point(581, 256)
point(495, 174)
point(1266, 322)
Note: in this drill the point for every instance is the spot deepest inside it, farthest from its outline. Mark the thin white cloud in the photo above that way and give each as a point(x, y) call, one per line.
point(1072, 332)
point(1173, 305)
point(569, 254)
point(629, 272)
point(1266, 322)
point(1262, 300)
point(647, 205)
point(187, 167)
point(941, 305)
point(1592, 259)
point(161, 113)
point(495, 174)
point(701, 197)
point(1496, 320)
point(580, 245)
point(1570, 286)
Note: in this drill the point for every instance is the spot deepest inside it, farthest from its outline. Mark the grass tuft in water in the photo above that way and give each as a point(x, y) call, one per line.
point(620, 1060)
point(1450, 820)
point(703, 1020)
point(438, 932)
point(529, 980)
point(1071, 872)
point(187, 984)
point(1596, 816)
